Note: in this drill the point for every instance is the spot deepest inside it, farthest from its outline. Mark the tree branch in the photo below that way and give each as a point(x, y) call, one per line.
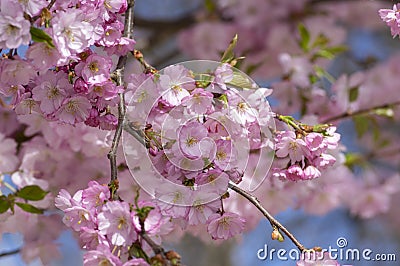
point(359, 112)
point(274, 223)
point(119, 73)
point(9, 253)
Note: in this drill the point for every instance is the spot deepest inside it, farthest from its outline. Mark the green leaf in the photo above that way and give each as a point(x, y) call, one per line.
point(320, 41)
point(304, 37)
point(353, 94)
point(39, 35)
point(361, 123)
point(4, 204)
point(329, 52)
point(210, 5)
point(29, 208)
point(32, 192)
point(229, 55)
point(322, 73)
point(240, 81)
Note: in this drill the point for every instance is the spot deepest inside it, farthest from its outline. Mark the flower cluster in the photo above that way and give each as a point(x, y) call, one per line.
point(392, 19)
point(63, 79)
point(199, 131)
point(305, 155)
point(104, 225)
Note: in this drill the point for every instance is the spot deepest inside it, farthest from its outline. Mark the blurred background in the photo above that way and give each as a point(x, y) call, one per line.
point(171, 31)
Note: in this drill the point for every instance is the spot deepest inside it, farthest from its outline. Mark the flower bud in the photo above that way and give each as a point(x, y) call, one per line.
point(80, 86)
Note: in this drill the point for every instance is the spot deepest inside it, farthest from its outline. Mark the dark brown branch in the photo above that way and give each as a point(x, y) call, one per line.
point(274, 223)
point(157, 249)
point(119, 74)
point(359, 112)
point(9, 253)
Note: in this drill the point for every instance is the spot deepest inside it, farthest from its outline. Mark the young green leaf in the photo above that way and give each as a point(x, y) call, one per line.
point(29, 208)
point(353, 94)
point(361, 124)
point(39, 35)
point(229, 55)
point(4, 204)
point(304, 37)
point(32, 192)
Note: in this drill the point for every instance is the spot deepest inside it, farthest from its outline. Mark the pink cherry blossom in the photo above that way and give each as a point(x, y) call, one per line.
point(190, 136)
point(51, 91)
point(100, 257)
point(95, 69)
point(115, 222)
point(8, 158)
point(223, 74)
point(108, 122)
point(95, 195)
point(153, 221)
point(74, 110)
point(199, 212)
point(176, 82)
point(71, 33)
point(240, 110)
point(288, 145)
point(294, 173)
point(199, 101)
point(225, 155)
point(225, 226)
point(392, 18)
point(31, 7)
point(42, 56)
point(14, 28)
point(312, 258)
point(16, 72)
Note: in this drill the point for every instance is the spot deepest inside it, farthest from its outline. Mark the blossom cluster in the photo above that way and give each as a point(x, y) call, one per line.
point(392, 19)
point(105, 225)
point(305, 156)
point(62, 77)
point(199, 131)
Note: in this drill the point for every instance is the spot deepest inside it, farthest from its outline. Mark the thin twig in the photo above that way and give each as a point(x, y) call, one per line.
point(119, 73)
point(148, 69)
point(359, 112)
point(157, 249)
point(9, 253)
point(274, 223)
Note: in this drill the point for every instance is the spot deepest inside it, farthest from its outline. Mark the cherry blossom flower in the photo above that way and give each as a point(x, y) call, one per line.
point(176, 82)
point(240, 110)
point(100, 257)
point(312, 258)
point(288, 145)
point(16, 72)
point(95, 69)
point(153, 221)
point(225, 226)
point(392, 18)
point(115, 222)
point(108, 122)
point(71, 33)
point(51, 92)
point(190, 136)
point(74, 110)
point(8, 158)
point(42, 56)
point(199, 101)
point(95, 195)
point(14, 28)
